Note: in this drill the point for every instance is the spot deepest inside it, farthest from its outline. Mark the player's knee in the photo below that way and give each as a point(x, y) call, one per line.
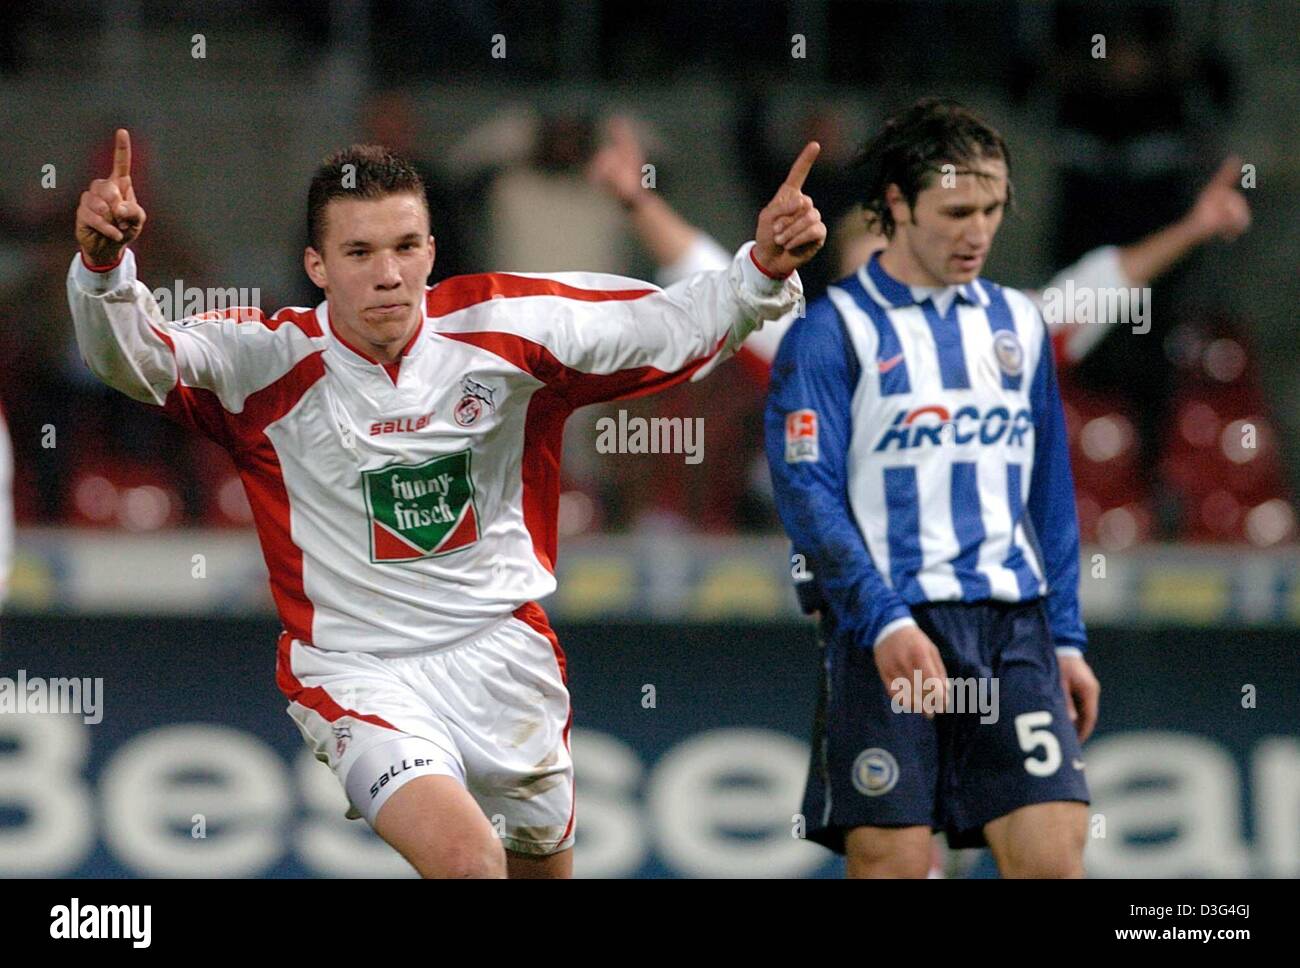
point(1063, 859)
point(873, 853)
point(887, 867)
point(483, 860)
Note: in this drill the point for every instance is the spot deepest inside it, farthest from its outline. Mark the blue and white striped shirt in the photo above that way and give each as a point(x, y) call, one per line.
point(918, 454)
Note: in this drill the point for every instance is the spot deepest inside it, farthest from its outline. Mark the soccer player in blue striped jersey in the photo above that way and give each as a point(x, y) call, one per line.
point(918, 453)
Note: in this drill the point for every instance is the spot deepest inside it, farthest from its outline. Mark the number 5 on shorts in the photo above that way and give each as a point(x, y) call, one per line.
point(1032, 732)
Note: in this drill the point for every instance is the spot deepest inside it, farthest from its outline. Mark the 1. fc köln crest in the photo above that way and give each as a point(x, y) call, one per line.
point(421, 511)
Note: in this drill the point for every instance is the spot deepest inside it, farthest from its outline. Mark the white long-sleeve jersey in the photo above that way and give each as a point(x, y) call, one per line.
point(407, 508)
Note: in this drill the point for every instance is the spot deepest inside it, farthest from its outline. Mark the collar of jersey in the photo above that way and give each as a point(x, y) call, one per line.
point(899, 294)
point(352, 354)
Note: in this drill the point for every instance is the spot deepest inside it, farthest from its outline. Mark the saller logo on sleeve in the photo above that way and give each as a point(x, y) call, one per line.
point(421, 511)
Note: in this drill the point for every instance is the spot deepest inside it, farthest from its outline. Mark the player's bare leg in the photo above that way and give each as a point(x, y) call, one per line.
point(1040, 840)
point(538, 867)
point(888, 852)
point(435, 824)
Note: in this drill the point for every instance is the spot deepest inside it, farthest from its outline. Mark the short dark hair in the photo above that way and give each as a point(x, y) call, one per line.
point(911, 147)
point(375, 173)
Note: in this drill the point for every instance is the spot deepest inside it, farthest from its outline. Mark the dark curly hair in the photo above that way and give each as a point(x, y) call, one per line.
point(376, 173)
point(913, 145)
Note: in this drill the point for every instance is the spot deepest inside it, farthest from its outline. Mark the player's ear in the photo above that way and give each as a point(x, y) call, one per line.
point(898, 206)
point(433, 253)
point(314, 265)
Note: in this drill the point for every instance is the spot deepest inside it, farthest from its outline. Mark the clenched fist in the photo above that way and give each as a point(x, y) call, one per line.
point(790, 230)
point(109, 218)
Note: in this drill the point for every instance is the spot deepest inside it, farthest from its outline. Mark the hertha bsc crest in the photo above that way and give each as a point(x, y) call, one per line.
point(421, 511)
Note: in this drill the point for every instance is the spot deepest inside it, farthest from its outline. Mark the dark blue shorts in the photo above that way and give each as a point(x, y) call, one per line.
point(874, 767)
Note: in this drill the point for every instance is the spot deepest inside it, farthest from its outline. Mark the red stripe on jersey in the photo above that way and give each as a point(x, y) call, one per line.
point(304, 319)
point(532, 615)
point(193, 407)
point(313, 697)
point(200, 409)
point(461, 292)
point(577, 387)
point(540, 472)
point(243, 437)
point(259, 468)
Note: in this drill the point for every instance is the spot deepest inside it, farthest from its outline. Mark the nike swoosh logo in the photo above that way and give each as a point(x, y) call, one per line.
point(886, 365)
point(1078, 764)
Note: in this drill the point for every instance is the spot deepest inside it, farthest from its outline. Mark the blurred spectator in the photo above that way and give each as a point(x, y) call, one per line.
point(1132, 151)
point(389, 118)
point(542, 217)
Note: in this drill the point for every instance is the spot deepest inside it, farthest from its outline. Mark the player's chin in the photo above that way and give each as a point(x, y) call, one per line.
point(964, 270)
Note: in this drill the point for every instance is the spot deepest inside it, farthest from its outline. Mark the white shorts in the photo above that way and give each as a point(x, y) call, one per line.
point(492, 711)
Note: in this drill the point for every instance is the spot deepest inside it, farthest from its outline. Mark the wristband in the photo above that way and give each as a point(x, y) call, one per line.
point(761, 268)
point(105, 268)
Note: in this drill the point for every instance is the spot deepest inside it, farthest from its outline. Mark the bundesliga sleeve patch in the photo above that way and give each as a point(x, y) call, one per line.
point(801, 436)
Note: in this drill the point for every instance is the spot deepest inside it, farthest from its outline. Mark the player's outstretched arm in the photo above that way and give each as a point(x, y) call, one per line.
point(1219, 212)
point(608, 337)
point(680, 249)
point(788, 234)
point(120, 330)
point(112, 312)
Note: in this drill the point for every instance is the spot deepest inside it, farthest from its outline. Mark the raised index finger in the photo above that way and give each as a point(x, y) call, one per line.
point(1229, 172)
point(803, 164)
point(122, 154)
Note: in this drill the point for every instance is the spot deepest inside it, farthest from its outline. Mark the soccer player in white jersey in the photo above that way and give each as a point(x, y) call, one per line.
point(399, 445)
point(918, 452)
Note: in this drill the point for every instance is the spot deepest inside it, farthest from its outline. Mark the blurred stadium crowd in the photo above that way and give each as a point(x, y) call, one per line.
point(1180, 433)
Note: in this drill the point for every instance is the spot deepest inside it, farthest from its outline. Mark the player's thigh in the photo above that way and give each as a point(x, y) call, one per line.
point(511, 725)
point(888, 851)
point(434, 823)
point(539, 867)
point(1040, 840)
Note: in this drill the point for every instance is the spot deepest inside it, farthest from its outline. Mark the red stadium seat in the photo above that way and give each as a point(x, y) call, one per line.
point(125, 494)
